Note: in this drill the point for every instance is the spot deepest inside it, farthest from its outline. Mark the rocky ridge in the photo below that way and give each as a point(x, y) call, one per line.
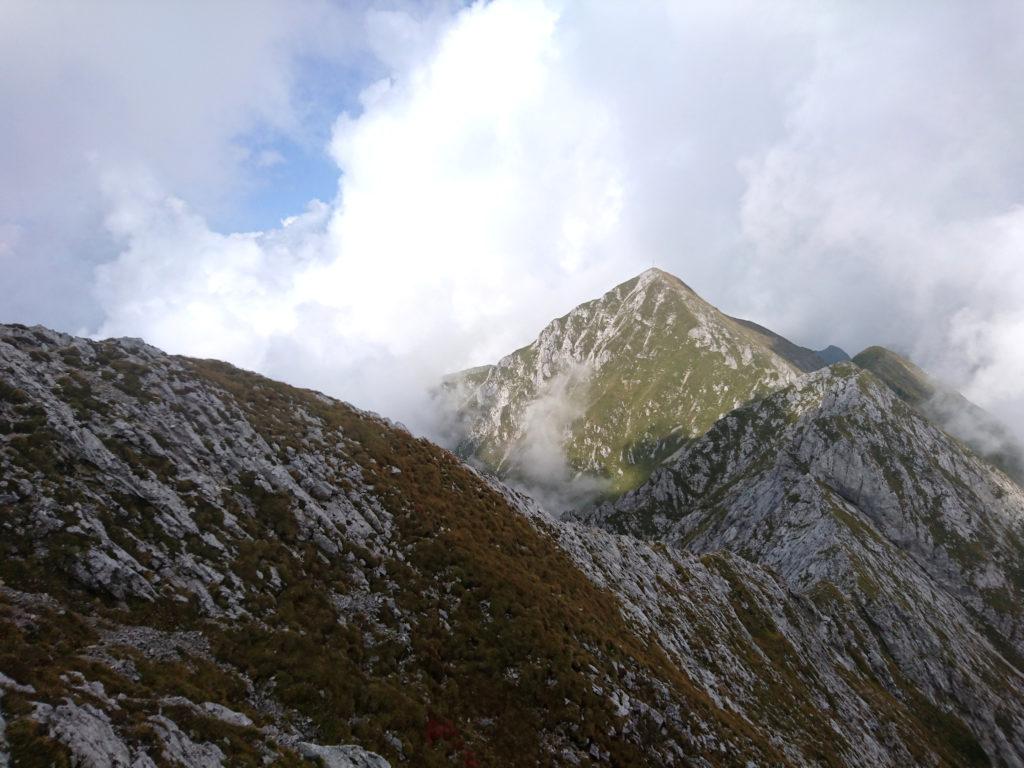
point(948, 409)
point(907, 543)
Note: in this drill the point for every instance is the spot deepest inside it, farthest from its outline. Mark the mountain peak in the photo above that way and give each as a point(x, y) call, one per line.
point(652, 273)
point(655, 275)
point(832, 354)
point(908, 381)
point(617, 384)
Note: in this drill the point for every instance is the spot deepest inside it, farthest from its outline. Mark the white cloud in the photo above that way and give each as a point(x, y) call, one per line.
point(892, 206)
point(268, 158)
point(167, 89)
point(473, 185)
point(170, 87)
point(192, 289)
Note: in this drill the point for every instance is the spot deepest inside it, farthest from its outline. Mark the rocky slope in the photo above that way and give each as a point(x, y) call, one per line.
point(947, 408)
point(907, 543)
point(202, 567)
point(616, 385)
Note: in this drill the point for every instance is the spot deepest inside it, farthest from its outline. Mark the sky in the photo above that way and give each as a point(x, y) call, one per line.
point(361, 196)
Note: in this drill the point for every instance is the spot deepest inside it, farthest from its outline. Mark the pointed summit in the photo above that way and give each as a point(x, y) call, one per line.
point(653, 274)
point(617, 384)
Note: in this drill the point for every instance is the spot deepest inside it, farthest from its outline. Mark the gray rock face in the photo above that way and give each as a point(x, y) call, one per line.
point(179, 749)
point(226, 715)
point(344, 756)
point(907, 544)
point(192, 438)
point(753, 645)
point(87, 733)
point(13, 685)
point(151, 456)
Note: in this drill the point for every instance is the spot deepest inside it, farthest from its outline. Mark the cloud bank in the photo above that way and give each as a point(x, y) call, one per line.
point(846, 174)
point(193, 94)
point(463, 198)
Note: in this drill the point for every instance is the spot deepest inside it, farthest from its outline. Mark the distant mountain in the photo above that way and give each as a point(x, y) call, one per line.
point(801, 358)
point(908, 543)
point(947, 408)
point(617, 385)
point(832, 354)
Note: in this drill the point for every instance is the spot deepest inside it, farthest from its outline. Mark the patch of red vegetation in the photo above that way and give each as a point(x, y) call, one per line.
point(446, 731)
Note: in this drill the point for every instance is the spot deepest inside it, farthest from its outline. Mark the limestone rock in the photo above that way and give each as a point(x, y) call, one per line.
point(343, 756)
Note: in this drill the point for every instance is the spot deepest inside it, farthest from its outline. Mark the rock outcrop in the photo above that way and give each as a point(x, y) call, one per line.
point(908, 544)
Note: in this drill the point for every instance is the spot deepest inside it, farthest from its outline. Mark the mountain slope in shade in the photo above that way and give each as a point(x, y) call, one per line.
point(947, 408)
point(906, 540)
point(616, 385)
point(832, 354)
point(202, 567)
point(801, 358)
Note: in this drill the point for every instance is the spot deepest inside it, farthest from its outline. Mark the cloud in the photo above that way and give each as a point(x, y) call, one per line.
point(195, 289)
point(845, 174)
point(268, 158)
point(537, 460)
point(173, 91)
point(892, 207)
point(171, 88)
point(462, 198)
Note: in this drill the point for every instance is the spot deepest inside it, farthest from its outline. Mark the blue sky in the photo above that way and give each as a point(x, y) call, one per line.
point(277, 191)
point(289, 171)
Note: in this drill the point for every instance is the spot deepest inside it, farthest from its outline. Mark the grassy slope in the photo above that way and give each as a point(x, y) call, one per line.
point(906, 379)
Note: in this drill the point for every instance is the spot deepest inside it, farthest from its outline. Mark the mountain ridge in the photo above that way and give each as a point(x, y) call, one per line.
point(949, 409)
point(202, 565)
point(310, 568)
point(856, 500)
